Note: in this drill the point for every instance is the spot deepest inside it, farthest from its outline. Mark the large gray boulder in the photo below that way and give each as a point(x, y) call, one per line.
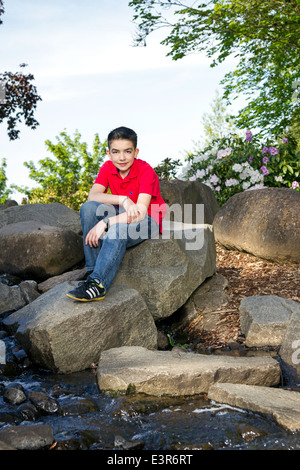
point(263, 222)
point(32, 250)
point(66, 336)
point(177, 372)
point(178, 193)
point(264, 319)
point(55, 215)
point(167, 270)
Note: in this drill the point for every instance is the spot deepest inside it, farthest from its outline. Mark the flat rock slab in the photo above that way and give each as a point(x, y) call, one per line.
point(281, 405)
point(178, 372)
point(67, 336)
point(264, 319)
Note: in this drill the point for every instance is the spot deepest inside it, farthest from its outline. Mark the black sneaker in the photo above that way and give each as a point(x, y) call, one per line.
point(88, 291)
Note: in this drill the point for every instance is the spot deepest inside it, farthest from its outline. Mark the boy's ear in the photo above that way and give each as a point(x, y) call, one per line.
point(136, 152)
point(108, 153)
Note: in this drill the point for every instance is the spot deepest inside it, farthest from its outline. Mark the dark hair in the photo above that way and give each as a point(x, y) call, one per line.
point(122, 133)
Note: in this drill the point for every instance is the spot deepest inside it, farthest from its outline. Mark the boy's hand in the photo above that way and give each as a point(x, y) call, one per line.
point(135, 212)
point(95, 233)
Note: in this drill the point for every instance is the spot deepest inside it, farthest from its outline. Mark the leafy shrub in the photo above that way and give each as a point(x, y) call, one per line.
point(234, 164)
point(68, 175)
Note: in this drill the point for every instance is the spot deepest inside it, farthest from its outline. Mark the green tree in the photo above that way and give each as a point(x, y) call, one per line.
point(68, 175)
point(167, 169)
point(264, 36)
point(4, 191)
point(18, 98)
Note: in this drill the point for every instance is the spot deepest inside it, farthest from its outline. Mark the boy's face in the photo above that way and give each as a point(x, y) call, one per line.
point(122, 153)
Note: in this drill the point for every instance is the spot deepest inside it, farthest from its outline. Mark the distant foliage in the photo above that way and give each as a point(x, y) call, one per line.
point(4, 191)
point(66, 176)
point(18, 98)
point(262, 36)
point(167, 169)
point(18, 101)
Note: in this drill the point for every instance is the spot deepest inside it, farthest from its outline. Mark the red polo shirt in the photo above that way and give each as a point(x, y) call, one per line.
point(141, 179)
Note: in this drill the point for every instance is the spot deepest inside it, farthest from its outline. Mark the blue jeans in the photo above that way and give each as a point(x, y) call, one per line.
point(104, 260)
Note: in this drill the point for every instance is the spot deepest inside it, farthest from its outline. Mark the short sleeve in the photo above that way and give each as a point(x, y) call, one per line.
point(148, 181)
point(103, 174)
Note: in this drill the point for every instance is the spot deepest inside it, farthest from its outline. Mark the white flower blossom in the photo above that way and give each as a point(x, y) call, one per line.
point(246, 185)
point(201, 158)
point(184, 170)
point(237, 167)
point(231, 182)
point(279, 179)
point(224, 152)
point(200, 174)
point(214, 179)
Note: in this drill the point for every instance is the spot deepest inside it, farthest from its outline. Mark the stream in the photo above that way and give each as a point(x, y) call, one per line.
point(92, 420)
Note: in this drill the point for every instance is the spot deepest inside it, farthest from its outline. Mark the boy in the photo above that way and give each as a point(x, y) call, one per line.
point(111, 223)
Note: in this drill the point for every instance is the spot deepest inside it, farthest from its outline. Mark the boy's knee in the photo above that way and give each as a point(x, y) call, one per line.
point(106, 210)
point(88, 207)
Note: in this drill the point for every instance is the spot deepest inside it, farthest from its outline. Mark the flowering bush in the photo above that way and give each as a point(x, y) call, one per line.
point(234, 164)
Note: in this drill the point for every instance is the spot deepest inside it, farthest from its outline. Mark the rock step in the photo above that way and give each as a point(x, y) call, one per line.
point(179, 372)
point(281, 405)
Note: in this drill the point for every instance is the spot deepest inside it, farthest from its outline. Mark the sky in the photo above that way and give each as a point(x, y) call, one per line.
point(92, 79)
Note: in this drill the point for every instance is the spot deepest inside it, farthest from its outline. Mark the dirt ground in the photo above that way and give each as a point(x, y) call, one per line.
point(247, 275)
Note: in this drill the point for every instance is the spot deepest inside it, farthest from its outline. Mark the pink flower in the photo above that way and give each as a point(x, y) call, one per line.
point(248, 136)
point(295, 184)
point(285, 140)
point(265, 170)
point(265, 160)
point(273, 151)
point(265, 150)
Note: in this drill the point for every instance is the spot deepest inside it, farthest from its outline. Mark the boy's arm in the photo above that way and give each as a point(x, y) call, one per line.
point(97, 193)
point(137, 212)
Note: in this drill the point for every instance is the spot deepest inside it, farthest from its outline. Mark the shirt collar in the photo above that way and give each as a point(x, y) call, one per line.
point(132, 171)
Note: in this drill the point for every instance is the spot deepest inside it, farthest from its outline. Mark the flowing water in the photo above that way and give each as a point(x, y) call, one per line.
point(91, 419)
point(187, 423)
